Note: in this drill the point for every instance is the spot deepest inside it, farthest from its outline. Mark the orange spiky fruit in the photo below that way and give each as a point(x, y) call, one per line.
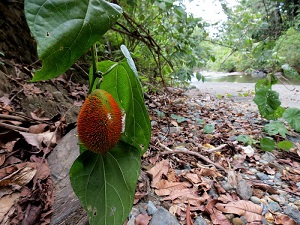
point(99, 122)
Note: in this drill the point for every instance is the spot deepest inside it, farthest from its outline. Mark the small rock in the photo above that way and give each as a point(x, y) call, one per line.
point(255, 200)
point(238, 221)
point(269, 157)
point(298, 185)
point(151, 208)
point(293, 213)
point(226, 186)
point(243, 189)
point(153, 123)
point(200, 221)
point(274, 206)
point(163, 217)
point(263, 176)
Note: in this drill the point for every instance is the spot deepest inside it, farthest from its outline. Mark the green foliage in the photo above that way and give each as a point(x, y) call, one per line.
point(267, 100)
point(105, 185)
point(174, 52)
point(208, 128)
point(267, 144)
point(247, 140)
point(65, 30)
point(285, 145)
point(292, 116)
point(179, 119)
point(288, 49)
point(275, 128)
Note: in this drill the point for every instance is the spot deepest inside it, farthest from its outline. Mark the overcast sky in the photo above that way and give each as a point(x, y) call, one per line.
point(209, 10)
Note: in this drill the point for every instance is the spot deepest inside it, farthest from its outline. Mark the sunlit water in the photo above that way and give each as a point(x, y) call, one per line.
point(235, 77)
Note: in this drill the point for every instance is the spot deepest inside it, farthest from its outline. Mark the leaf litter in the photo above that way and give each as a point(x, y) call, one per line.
point(27, 136)
point(206, 172)
point(199, 173)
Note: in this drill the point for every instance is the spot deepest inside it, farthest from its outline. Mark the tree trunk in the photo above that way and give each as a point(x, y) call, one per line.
point(67, 209)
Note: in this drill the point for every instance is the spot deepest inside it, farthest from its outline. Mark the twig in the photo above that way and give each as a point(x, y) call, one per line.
point(170, 151)
point(13, 127)
point(11, 117)
point(216, 149)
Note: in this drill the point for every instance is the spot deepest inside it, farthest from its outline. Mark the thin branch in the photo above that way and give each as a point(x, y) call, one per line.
point(170, 151)
point(13, 127)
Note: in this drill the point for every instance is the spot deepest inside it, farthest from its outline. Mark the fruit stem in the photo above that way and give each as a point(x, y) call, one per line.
point(95, 70)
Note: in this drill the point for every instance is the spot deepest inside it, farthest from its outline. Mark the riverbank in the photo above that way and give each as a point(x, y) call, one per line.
point(289, 95)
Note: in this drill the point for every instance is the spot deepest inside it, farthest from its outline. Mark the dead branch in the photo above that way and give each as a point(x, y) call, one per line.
point(170, 151)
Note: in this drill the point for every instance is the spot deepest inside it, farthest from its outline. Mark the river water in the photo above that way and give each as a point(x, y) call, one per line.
point(235, 77)
point(238, 84)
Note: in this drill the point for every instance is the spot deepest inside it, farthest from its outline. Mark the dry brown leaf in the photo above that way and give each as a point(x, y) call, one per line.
point(21, 175)
point(2, 159)
point(209, 172)
point(165, 187)
point(36, 140)
point(185, 195)
point(6, 202)
point(157, 171)
point(188, 215)
point(269, 170)
point(216, 216)
point(192, 177)
point(37, 129)
point(232, 178)
point(142, 219)
point(248, 209)
point(282, 219)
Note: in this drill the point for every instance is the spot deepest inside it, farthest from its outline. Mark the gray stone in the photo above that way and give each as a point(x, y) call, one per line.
point(269, 157)
point(263, 176)
point(298, 185)
point(151, 208)
point(153, 123)
point(274, 206)
point(293, 213)
point(226, 186)
point(238, 221)
point(200, 221)
point(163, 217)
point(255, 200)
point(243, 189)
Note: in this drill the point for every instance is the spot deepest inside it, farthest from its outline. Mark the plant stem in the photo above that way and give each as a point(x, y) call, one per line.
point(95, 71)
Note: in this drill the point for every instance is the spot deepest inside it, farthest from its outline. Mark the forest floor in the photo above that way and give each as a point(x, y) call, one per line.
point(195, 171)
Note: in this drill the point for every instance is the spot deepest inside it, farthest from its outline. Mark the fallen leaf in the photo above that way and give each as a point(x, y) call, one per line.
point(282, 219)
point(157, 171)
point(6, 202)
point(142, 219)
point(188, 215)
point(165, 187)
point(37, 129)
point(248, 209)
point(21, 175)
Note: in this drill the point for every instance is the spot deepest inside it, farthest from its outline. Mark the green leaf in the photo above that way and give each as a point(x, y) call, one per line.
point(268, 103)
point(130, 61)
point(208, 128)
point(66, 29)
point(292, 116)
point(105, 185)
point(247, 140)
point(160, 113)
point(179, 119)
point(122, 83)
point(267, 144)
point(285, 145)
point(276, 127)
